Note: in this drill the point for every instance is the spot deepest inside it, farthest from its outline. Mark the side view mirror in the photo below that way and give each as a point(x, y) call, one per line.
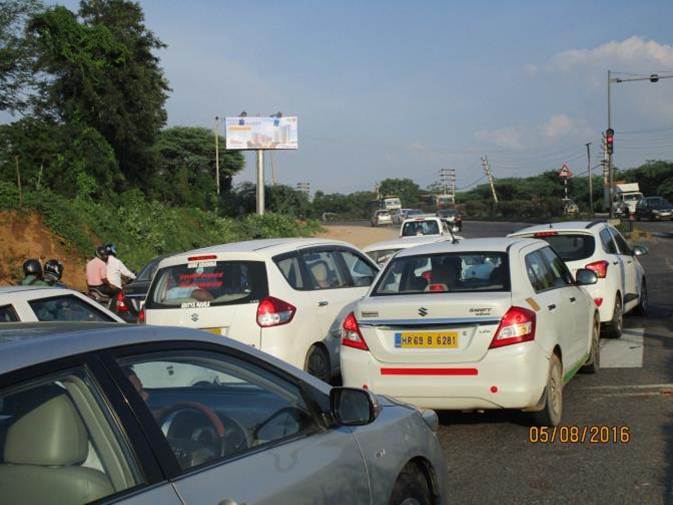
point(640, 250)
point(585, 277)
point(353, 406)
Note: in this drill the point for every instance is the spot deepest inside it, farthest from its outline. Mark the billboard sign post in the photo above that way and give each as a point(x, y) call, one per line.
point(259, 134)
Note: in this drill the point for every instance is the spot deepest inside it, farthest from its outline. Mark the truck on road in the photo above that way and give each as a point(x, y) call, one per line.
point(625, 196)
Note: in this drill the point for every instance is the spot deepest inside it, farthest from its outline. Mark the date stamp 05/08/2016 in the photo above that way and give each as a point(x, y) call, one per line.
point(587, 434)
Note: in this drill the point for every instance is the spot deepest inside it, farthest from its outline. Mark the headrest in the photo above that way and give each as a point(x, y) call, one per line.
point(320, 271)
point(51, 434)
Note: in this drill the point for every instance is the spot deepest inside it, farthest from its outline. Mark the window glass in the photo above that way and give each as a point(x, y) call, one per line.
point(212, 406)
point(323, 268)
point(537, 271)
point(361, 271)
point(416, 228)
point(561, 275)
point(66, 308)
point(208, 283)
point(607, 242)
point(572, 247)
point(148, 271)
point(381, 257)
point(59, 445)
point(622, 245)
point(446, 272)
point(291, 270)
point(8, 314)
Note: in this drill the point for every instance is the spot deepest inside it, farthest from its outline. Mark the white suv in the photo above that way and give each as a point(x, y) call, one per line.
point(596, 245)
point(283, 296)
point(425, 226)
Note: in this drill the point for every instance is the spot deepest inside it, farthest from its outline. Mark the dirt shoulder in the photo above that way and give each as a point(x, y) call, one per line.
point(359, 236)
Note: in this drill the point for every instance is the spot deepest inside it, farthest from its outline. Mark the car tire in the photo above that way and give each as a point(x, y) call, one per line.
point(641, 308)
point(594, 362)
point(318, 363)
point(551, 413)
point(411, 488)
point(615, 326)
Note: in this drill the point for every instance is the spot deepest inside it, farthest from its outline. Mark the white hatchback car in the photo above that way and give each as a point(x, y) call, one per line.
point(596, 245)
point(426, 226)
point(381, 252)
point(483, 324)
point(44, 303)
point(282, 296)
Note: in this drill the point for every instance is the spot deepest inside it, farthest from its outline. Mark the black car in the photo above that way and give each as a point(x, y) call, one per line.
point(132, 297)
point(655, 208)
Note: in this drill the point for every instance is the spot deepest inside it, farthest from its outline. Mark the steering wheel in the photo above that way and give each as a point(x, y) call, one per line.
point(227, 434)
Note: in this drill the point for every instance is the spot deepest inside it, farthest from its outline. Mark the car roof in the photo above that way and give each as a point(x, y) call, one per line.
point(20, 289)
point(568, 226)
point(263, 247)
point(27, 344)
point(493, 244)
point(424, 217)
point(405, 242)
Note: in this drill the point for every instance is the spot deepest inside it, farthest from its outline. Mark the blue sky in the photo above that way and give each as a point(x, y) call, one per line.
point(401, 89)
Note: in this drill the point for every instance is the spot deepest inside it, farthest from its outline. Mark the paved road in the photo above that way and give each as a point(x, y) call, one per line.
point(490, 456)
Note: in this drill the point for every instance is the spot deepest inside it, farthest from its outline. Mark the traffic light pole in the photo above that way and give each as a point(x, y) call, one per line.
point(610, 181)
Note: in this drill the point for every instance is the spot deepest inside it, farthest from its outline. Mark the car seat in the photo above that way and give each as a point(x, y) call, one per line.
point(43, 452)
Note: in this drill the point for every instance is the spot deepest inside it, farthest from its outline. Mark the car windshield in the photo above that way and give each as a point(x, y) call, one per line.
point(633, 197)
point(571, 247)
point(415, 228)
point(445, 272)
point(208, 283)
point(660, 203)
point(148, 271)
point(381, 257)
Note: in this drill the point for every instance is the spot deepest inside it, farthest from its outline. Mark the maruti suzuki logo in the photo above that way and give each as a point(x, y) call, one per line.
point(195, 317)
point(423, 311)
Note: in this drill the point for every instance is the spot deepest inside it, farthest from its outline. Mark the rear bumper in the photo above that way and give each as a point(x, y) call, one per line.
point(518, 372)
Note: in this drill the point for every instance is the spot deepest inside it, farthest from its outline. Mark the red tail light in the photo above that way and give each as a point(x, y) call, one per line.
point(599, 267)
point(542, 234)
point(141, 316)
point(121, 302)
point(350, 334)
point(274, 312)
point(516, 326)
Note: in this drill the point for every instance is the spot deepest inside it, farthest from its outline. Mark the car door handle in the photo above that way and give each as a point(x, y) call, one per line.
point(629, 262)
point(572, 299)
point(323, 303)
point(552, 306)
point(229, 501)
point(615, 262)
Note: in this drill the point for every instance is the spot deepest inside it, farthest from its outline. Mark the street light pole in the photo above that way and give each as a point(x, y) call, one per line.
point(652, 78)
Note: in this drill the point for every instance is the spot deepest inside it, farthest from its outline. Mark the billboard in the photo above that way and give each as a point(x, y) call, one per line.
point(261, 132)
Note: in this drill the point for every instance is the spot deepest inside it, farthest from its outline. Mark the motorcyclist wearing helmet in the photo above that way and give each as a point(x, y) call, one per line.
point(53, 271)
point(116, 268)
point(96, 273)
point(32, 272)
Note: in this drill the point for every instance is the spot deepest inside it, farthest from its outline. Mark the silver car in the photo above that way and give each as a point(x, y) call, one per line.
point(145, 415)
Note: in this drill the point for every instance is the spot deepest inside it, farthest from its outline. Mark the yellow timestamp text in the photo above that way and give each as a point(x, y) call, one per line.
point(587, 434)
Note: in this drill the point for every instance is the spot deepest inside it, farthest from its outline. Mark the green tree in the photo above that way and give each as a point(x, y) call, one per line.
point(71, 159)
point(407, 190)
point(103, 73)
point(186, 167)
point(16, 57)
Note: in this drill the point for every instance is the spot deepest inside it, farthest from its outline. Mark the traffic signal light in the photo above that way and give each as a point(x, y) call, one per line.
point(609, 139)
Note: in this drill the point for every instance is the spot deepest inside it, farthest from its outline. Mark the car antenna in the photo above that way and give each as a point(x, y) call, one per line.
point(550, 226)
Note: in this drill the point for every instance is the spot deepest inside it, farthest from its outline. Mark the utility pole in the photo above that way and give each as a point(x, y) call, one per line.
point(260, 181)
point(609, 154)
point(487, 172)
point(447, 182)
point(606, 186)
point(217, 154)
point(273, 168)
point(591, 187)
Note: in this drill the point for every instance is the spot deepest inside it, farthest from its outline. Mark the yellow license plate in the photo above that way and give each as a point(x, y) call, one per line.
point(215, 331)
point(426, 340)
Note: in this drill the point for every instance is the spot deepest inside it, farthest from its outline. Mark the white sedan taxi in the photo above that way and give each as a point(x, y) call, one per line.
point(482, 324)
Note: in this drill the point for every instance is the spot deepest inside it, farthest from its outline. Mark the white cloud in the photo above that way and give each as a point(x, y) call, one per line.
point(562, 125)
point(508, 137)
point(530, 70)
point(632, 53)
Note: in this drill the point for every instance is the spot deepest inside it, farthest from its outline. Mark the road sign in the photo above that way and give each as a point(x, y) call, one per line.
point(565, 172)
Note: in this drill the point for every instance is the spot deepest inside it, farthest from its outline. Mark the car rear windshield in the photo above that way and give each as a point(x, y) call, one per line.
point(415, 228)
point(572, 247)
point(445, 272)
point(207, 284)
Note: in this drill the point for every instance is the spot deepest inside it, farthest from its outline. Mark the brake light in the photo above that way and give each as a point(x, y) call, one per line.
point(599, 267)
point(141, 316)
point(437, 288)
point(351, 335)
point(205, 257)
point(121, 303)
point(274, 312)
point(516, 326)
point(541, 234)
